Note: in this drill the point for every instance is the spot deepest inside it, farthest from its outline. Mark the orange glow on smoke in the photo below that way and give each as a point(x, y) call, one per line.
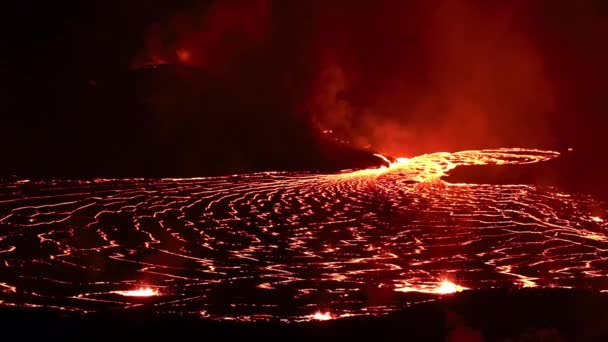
point(473, 78)
point(141, 292)
point(183, 55)
point(215, 36)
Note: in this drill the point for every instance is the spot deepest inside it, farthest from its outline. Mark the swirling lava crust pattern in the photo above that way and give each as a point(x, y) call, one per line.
point(294, 246)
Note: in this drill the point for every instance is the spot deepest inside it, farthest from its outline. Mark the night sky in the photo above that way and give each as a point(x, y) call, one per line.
point(247, 83)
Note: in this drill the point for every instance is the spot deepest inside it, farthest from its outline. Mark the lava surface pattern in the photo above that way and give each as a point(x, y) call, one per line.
point(294, 246)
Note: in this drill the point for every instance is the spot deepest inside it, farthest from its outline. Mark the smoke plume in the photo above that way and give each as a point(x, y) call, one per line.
point(400, 77)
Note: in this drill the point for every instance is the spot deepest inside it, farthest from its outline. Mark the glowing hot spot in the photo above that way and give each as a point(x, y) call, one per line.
point(322, 316)
point(447, 287)
point(141, 292)
point(596, 219)
point(383, 158)
point(183, 55)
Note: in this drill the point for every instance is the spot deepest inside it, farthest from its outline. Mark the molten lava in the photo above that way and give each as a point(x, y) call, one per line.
point(448, 287)
point(141, 292)
point(442, 288)
point(259, 241)
point(322, 316)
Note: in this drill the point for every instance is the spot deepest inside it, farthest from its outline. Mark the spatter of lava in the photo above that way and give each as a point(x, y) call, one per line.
point(294, 246)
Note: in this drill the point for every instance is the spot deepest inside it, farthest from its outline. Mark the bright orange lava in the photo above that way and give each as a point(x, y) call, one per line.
point(400, 227)
point(141, 292)
point(445, 287)
point(322, 316)
point(433, 166)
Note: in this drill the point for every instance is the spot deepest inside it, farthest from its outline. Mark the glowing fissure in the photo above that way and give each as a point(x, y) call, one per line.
point(140, 292)
point(443, 288)
point(258, 241)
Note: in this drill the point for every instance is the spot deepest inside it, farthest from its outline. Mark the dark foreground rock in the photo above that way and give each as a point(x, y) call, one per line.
point(491, 315)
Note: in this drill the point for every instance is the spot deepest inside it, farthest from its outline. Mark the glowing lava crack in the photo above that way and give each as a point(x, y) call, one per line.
point(281, 244)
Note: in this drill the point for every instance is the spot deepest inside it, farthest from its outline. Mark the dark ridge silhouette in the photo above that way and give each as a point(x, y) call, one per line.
point(172, 120)
point(577, 171)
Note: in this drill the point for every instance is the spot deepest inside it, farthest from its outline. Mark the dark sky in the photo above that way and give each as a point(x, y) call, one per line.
point(404, 77)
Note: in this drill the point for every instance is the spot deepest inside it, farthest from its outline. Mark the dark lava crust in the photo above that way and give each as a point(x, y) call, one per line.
point(491, 315)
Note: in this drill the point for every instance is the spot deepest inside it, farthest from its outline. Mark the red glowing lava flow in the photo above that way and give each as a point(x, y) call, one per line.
point(141, 292)
point(258, 241)
point(322, 316)
point(442, 288)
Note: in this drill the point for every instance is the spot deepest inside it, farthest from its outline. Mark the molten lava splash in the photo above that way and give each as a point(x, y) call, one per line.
point(322, 316)
point(433, 166)
point(327, 241)
point(141, 292)
point(442, 288)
